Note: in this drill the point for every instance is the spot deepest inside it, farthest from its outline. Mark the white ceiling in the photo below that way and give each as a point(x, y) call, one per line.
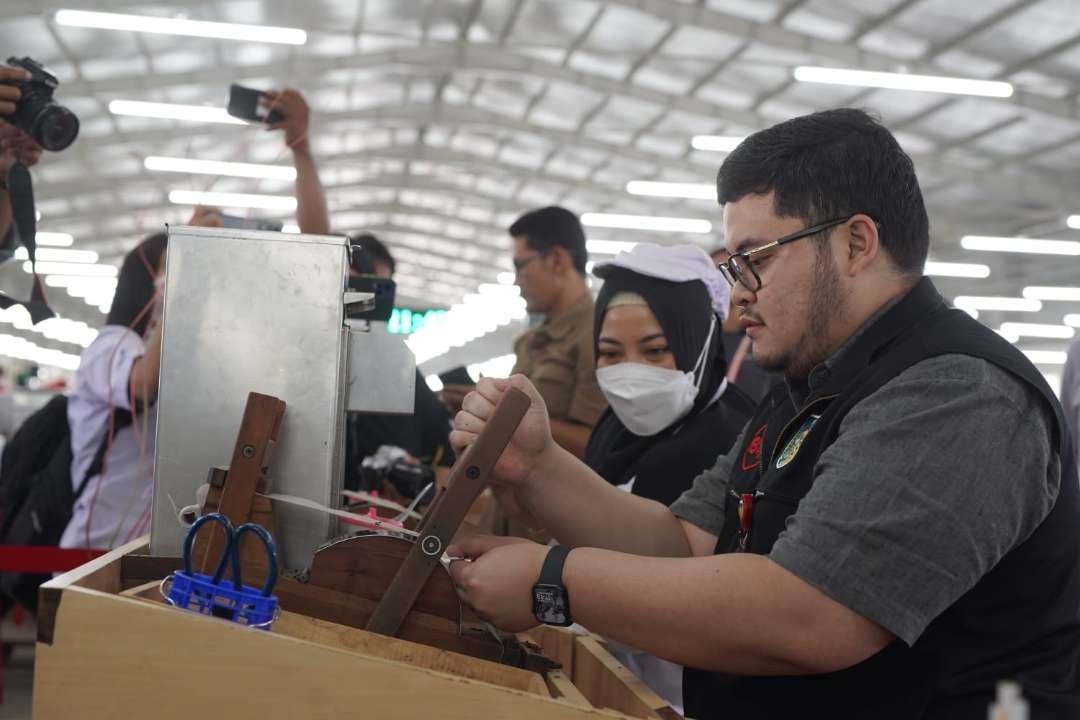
point(437, 122)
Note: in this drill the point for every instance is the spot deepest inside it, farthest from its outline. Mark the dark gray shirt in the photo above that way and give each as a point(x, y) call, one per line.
point(1070, 394)
point(931, 480)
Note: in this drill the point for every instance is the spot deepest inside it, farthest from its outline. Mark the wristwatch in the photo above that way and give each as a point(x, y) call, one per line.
point(551, 602)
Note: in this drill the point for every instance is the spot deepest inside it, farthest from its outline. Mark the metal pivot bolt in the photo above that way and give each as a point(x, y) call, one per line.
point(431, 545)
point(248, 452)
point(472, 472)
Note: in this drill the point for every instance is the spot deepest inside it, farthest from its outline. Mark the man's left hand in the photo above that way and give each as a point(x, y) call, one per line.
point(291, 104)
point(16, 146)
point(498, 581)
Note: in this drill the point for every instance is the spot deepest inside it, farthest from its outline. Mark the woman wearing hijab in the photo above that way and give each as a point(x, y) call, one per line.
point(660, 364)
point(111, 409)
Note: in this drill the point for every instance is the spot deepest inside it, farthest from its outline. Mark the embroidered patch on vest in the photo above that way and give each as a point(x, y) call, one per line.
point(752, 457)
point(796, 441)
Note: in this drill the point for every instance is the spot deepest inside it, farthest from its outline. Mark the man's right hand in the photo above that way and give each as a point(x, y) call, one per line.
point(292, 105)
point(9, 94)
point(531, 441)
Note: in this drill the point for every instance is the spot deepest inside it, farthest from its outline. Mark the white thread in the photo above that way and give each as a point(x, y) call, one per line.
point(312, 505)
point(304, 503)
point(364, 497)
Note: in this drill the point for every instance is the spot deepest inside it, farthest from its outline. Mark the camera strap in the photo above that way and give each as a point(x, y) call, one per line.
point(21, 192)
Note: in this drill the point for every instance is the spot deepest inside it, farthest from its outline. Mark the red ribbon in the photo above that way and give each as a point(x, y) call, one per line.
point(44, 559)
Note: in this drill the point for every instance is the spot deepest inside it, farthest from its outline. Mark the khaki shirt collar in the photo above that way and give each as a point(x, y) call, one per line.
point(557, 327)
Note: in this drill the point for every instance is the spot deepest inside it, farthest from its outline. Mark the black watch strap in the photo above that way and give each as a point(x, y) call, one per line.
point(551, 572)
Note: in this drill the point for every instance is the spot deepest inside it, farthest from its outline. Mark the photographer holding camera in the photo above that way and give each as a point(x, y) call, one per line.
point(15, 144)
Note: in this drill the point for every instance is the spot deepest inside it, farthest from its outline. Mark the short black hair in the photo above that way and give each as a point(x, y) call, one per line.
point(831, 164)
point(374, 249)
point(551, 227)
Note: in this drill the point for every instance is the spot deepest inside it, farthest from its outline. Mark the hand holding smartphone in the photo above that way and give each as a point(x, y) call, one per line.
point(244, 104)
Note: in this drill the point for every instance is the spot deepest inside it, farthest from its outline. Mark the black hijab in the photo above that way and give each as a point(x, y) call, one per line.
point(684, 311)
point(135, 285)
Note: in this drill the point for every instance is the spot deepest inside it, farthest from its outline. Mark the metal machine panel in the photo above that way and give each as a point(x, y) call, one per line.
point(382, 371)
point(251, 311)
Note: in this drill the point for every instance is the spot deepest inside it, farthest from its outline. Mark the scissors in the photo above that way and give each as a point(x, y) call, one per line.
point(231, 554)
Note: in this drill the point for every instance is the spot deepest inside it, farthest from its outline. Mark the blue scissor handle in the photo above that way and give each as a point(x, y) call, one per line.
point(230, 541)
point(271, 556)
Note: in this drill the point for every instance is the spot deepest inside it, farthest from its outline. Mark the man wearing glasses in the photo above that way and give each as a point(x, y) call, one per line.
point(557, 354)
point(898, 528)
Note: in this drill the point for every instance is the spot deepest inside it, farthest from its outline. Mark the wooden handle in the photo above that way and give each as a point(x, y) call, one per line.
point(259, 429)
point(444, 516)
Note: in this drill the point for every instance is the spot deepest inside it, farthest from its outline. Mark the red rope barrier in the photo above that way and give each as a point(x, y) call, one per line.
point(44, 559)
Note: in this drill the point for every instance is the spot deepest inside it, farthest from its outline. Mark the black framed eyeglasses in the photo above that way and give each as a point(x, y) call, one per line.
point(740, 266)
point(522, 263)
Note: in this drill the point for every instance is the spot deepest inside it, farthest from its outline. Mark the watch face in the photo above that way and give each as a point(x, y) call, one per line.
point(550, 605)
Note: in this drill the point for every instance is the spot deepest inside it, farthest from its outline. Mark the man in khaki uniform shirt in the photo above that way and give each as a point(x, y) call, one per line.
point(556, 355)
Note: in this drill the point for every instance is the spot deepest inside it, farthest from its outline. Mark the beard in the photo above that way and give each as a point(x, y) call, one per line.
point(824, 306)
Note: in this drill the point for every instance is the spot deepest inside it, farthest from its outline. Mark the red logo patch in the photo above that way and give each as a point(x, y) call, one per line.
point(752, 456)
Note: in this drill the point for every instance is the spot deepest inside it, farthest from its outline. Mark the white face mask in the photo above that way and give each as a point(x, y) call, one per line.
point(648, 399)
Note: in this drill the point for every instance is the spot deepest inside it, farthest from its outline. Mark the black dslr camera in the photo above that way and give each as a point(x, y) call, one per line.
point(52, 126)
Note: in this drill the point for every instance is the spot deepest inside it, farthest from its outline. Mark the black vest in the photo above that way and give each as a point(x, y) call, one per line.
point(1021, 620)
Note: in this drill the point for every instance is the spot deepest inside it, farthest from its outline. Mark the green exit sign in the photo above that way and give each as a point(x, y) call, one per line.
point(404, 321)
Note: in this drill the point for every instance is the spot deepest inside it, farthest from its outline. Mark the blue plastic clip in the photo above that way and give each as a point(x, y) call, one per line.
point(210, 595)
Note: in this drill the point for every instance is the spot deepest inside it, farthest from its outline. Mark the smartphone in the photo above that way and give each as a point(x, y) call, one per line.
point(244, 104)
point(232, 221)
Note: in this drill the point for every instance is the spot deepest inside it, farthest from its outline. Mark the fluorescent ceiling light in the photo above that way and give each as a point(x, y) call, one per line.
point(1073, 221)
point(1006, 304)
point(232, 200)
point(646, 222)
point(1020, 245)
point(904, 81)
point(215, 167)
point(45, 253)
point(694, 191)
point(1062, 332)
point(951, 269)
point(1064, 294)
point(1072, 320)
point(716, 143)
point(54, 239)
point(506, 278)
point(1046, 357)
point(171, 111)
point(609, 247)
point(63, 268)
point(181, 26)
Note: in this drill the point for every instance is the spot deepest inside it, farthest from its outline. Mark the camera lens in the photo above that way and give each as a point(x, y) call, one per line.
point(55, 127)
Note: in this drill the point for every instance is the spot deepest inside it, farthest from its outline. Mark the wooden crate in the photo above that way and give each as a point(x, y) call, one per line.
point(108, 648)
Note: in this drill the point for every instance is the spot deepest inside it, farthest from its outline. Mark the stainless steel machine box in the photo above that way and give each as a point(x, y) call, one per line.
point(251, 311)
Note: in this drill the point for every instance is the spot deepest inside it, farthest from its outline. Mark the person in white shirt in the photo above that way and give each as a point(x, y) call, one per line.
point(112, 405)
